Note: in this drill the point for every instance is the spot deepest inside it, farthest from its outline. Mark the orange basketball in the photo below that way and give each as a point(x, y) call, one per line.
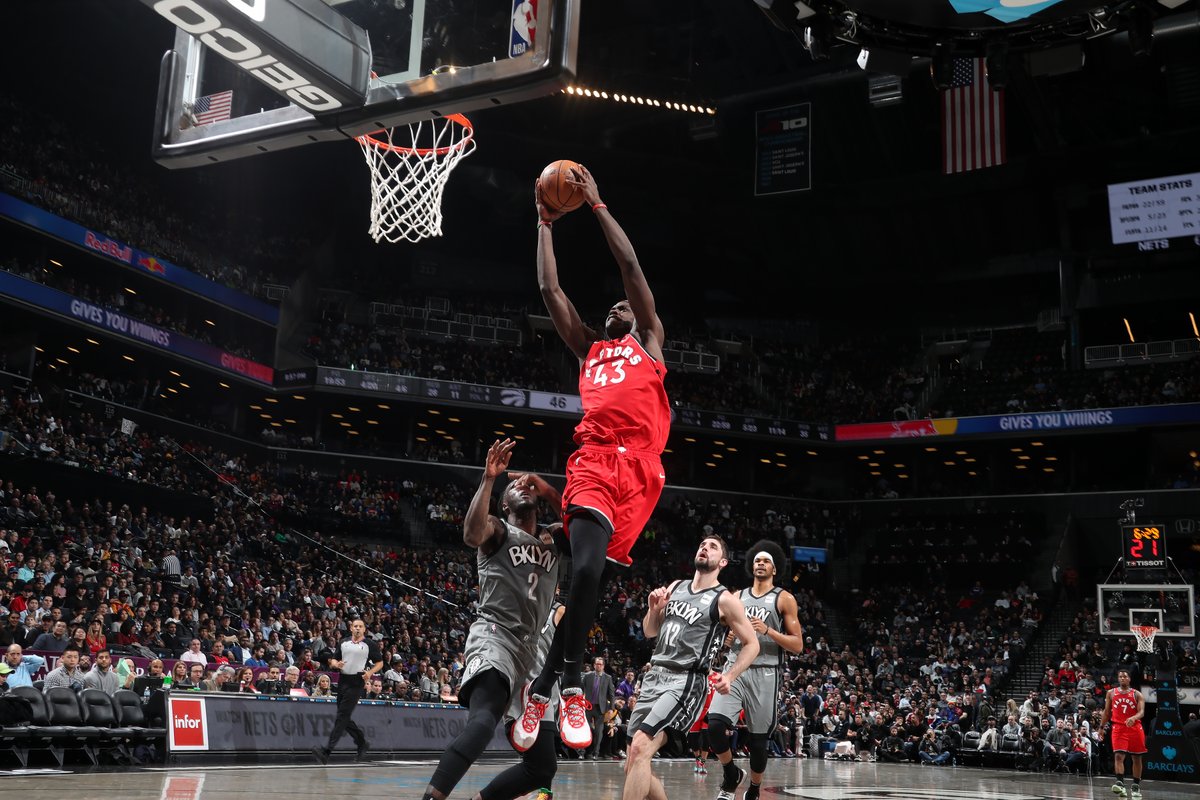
point(557, 194)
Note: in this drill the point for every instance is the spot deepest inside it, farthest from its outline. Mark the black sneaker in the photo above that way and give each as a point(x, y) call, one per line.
point(751, 792)
point(362, 753)
point(728, 789)
point(321, 754)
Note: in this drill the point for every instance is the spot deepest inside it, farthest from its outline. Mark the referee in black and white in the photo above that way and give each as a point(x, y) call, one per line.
point(357, 652)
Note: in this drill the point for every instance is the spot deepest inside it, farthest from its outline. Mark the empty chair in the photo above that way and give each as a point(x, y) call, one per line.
point(20, 739)
point(96, 710)
point(68, 730)
point(131, 715)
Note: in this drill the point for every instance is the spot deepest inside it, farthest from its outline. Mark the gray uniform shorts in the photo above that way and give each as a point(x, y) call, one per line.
point(757, 692)
point(668, 699)
point(491, 647)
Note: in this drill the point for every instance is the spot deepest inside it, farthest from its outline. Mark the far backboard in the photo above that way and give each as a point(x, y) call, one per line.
point(430, 58)
point(1169, 607)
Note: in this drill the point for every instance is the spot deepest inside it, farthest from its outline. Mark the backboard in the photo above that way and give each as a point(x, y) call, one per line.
point(1169, 607)
point(429, 58)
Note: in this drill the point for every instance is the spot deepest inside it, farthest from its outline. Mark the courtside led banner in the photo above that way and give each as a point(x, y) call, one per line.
point(1044, 422)
point(112, 321)
point(33, 217)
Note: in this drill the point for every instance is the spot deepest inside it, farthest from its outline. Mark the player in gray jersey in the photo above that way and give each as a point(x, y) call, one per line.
point(518, 571)
point(689, 619)
point(772, 612)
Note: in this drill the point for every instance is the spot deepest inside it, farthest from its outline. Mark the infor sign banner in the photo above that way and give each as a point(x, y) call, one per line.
point(783, 149)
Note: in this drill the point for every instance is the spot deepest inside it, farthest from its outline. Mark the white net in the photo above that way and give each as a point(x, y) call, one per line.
point(1145, 637)
point(409, 169)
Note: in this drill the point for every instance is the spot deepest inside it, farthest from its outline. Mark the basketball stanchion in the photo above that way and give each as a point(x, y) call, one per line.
point(410, 165)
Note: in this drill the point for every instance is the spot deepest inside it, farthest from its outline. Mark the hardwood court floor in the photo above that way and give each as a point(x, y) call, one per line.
point(802, 779)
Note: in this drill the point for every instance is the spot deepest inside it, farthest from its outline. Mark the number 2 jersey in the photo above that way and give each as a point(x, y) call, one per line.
point(624, 402)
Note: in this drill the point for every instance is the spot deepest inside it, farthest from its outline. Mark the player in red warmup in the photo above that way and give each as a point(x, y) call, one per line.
point(616, 476)
point(1127, 707)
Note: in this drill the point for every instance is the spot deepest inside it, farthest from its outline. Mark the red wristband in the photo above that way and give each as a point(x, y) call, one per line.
point(599, 206)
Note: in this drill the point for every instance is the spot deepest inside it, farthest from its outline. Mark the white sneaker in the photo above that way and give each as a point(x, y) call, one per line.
point(572, 719)
point(1135, 792)
point(1119, 789)
point(729, 792)
point(525, 729)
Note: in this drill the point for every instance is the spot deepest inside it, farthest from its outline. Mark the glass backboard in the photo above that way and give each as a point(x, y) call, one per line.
point(429, 58)
point(1169, 607)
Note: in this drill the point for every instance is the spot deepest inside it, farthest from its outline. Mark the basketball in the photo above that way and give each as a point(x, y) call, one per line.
point(557, 193)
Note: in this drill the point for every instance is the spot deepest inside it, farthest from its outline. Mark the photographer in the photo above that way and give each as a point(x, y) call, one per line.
point(932, 749)
point(891, 749)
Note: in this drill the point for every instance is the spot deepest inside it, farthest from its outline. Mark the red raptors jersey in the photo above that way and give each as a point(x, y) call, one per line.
point(1124, 706)
point(624, 402)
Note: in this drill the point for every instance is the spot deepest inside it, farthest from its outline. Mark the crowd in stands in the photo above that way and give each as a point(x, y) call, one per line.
point(948, 550)
point(87, 185)
point(374, 349)
point(138, 308)
point(1023, 372)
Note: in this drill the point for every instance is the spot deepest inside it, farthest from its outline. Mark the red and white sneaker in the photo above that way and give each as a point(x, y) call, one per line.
point(525, 729)
point(572, 719)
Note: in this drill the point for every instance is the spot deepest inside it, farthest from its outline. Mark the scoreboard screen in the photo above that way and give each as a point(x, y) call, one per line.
point(1144, 546)
point(1155, 209)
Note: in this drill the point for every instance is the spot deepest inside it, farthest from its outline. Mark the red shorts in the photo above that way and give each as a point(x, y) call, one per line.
point(620, 487)
point(702, 722)
point(1128, 740)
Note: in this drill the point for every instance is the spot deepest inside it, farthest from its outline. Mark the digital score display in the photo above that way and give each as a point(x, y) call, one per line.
point(1144, 546)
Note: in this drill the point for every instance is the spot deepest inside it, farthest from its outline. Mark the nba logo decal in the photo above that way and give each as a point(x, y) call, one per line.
point(187, 726)
point(524, 27)
point(473, 666)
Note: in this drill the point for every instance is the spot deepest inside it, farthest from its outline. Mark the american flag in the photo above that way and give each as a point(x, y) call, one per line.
point(972, 120)
point(213, 107)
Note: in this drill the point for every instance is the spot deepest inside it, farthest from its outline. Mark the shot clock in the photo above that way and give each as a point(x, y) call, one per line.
point(1144, 546)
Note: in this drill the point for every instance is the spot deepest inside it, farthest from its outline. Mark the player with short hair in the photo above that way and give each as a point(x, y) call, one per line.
point(616, 476)
point(518, 572)
point(688, 618)
point(774, 616)
point(1127, 707)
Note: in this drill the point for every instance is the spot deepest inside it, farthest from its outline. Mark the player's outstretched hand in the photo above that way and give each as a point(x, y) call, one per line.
point(582, 179)
point(498, 456)
point(544, 212)
point(535, 484)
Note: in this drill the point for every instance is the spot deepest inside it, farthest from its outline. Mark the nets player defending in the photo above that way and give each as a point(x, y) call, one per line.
point(615, 477)
point(518, 572)
point(1127, 707)
point(773, 614)
point(689, 618)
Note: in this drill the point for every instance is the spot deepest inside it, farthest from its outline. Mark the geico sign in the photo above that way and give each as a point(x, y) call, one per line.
point(267, 67)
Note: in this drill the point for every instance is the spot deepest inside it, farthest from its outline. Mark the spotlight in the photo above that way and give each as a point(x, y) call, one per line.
point(997, 64)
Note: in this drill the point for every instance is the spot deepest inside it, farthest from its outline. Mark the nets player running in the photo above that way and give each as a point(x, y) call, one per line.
point(615, 477)
point(689, 618)
point(518, 571)
point(773, 614)
point(1127, 707)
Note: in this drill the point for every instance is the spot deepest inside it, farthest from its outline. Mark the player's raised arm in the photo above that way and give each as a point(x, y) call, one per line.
point(656, 609)
point(481, 529)
point(577, 336)
point(637, 290)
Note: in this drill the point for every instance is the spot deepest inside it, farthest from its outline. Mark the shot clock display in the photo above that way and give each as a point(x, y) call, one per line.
point(1144, 546)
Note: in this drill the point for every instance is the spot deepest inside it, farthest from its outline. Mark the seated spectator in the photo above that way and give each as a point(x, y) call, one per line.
point(989, 738)
point(197, 674)
point(218, 681)
point(104, 676)
point(55, 642)
point(243, 682)
point(270, 682)
point(193, 655)
point(95, 638)
point(179, 676)
point(323, 687)
point(24, 667)
point(259, 657)
point(67, 673)
point(292, 684)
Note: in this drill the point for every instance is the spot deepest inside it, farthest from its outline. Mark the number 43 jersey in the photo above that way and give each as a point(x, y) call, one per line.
point(624, 402)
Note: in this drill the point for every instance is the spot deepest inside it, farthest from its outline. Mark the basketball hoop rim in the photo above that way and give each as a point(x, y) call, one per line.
point(369, 140)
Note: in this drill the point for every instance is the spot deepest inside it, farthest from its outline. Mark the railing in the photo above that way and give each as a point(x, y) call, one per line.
point(1135, 352)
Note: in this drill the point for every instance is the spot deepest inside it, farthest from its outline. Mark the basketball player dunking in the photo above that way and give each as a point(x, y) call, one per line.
point(616, 476)
point(518, 572)
point(773, 614)
point(1127, 707)
point(689, 619)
